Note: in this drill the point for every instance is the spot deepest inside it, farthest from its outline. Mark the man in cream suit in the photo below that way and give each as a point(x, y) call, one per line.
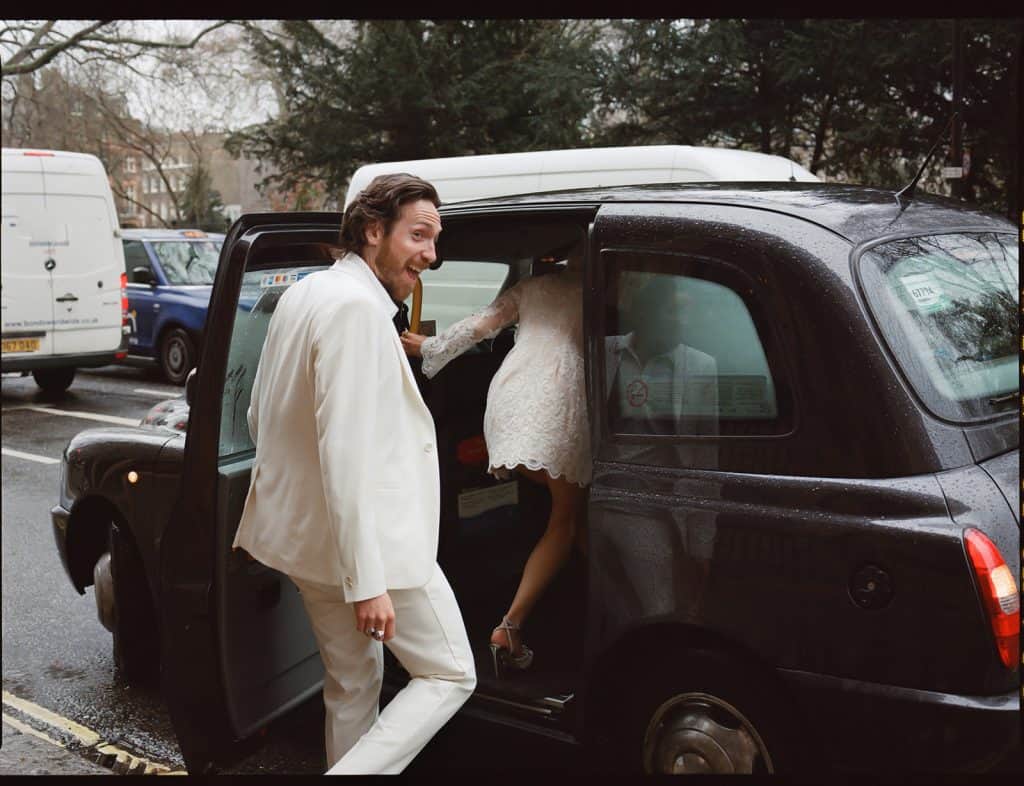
point(345, 494)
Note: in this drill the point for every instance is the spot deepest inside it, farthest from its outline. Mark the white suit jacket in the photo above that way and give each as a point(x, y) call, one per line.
point(345, 487)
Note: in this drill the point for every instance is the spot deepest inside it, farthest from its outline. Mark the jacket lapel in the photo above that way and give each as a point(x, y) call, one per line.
point(403, 360)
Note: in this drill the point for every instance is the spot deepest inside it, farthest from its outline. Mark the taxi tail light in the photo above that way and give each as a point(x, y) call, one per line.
point(999, 594)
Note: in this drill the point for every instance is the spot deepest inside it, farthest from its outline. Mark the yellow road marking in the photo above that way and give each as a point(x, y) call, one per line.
point(87, 737)
point(24, 728)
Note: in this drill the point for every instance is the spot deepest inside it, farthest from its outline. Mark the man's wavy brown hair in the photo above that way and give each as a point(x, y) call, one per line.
point(381, 201)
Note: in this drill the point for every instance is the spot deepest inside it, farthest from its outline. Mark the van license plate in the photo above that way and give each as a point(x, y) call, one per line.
point(19, 345)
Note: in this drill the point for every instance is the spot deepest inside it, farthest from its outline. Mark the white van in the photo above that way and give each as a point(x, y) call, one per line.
point(473, 177)
point(458, 288)
point(63, 298)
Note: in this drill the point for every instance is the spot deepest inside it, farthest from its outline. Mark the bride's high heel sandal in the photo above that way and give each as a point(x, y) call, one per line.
point(503, 658)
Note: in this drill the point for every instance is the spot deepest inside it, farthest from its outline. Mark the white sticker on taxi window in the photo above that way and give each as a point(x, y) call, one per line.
point(279, 279)
point(925, 291)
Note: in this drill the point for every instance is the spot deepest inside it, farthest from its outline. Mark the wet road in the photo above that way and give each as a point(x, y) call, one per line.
point(56, 653)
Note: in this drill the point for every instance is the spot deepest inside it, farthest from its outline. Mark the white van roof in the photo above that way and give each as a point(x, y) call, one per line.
point(17, 159)
point(472, 177)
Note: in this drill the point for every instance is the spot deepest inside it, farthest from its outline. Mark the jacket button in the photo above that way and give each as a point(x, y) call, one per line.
point(427, 448)
point(348, 581)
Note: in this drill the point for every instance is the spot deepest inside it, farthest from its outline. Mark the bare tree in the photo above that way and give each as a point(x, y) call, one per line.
point(29, 45)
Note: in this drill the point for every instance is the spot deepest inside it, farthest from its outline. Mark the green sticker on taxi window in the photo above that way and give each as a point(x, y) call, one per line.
point(925, 291)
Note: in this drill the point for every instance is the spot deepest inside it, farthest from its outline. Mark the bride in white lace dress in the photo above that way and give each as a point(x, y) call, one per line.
point(536, 419)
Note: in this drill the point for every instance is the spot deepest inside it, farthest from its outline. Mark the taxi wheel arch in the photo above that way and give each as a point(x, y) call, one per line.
point(667, 665)
point(87, 538)
point(176, 353)
point(135, 626)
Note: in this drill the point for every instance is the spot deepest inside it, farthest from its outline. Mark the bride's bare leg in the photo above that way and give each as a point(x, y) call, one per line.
point(549, 554)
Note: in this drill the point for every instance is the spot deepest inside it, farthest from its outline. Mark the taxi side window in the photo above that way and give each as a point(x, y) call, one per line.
point(261, 289)
point(683, 354)
point(459, 288)
point(135, 256)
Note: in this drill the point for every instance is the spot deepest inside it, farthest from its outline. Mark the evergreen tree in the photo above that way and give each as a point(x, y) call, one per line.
point(407, 89)
point(201, 205)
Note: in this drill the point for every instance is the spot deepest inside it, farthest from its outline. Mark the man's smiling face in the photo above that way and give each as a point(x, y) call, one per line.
point(407, 250)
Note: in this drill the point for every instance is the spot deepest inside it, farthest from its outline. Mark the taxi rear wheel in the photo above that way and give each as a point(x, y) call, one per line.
point(702, 714)
point(131, 614)
point(177, 355)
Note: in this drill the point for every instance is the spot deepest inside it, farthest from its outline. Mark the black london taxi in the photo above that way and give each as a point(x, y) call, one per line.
point(803, 551)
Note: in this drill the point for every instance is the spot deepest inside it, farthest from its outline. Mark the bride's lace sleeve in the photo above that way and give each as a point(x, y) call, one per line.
point(439, 350)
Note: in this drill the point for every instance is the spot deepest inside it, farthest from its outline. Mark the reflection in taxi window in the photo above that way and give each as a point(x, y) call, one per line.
point(948, 307)
point(257, 300)
point(683, 357)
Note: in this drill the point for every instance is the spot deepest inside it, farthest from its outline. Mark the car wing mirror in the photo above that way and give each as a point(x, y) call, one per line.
point(190, 387)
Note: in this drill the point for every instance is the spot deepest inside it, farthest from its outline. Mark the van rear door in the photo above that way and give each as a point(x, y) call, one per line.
point(26, 296)
point(87, 254)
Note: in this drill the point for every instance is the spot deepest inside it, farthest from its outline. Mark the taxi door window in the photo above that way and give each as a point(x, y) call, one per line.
point(459, 288)
point(261, 289)
point(684, 357)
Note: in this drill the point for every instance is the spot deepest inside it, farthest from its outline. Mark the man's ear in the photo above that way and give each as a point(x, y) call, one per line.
point(374, 233)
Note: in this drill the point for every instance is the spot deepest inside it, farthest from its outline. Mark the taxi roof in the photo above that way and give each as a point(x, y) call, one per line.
point(857, 213)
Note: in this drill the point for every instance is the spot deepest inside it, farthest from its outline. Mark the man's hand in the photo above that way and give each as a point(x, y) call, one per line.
point(412, 342)
point(376, 614)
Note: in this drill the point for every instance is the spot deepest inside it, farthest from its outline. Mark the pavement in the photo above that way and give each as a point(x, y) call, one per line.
point(23, 753)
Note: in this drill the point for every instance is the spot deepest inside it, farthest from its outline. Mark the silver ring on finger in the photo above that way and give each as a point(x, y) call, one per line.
point(378, 635)
point(372, 632)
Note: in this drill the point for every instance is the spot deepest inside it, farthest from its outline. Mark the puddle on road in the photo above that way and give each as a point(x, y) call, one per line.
point(19, 683)
point(59, 671)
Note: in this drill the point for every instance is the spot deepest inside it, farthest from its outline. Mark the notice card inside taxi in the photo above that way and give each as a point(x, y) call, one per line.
point(473, 503)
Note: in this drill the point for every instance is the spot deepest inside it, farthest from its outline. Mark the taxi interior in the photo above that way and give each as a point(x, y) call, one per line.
point(488, 526)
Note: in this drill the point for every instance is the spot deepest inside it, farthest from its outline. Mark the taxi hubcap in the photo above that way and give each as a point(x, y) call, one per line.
point(701, 733)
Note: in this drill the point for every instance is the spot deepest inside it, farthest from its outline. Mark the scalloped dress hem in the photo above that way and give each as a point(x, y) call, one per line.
point(506, 471)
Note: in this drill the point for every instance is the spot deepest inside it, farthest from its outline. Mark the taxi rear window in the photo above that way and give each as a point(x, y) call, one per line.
point(947, 307)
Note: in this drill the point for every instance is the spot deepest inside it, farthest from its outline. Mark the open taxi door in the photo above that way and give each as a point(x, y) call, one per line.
point(236, 647)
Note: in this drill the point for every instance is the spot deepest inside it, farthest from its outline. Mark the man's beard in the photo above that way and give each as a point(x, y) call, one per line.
point(392, 283)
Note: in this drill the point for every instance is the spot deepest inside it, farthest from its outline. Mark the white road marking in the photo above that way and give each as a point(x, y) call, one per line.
point(126, 762)
point(29, 456)
point(84, 415)
point(160, 393)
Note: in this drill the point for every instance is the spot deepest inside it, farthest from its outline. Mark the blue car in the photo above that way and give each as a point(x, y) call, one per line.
point(170, 277)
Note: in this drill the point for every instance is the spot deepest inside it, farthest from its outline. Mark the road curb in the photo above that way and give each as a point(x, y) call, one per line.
point(39, 741)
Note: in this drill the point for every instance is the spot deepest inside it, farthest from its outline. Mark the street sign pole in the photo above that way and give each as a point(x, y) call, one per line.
point(958, 93)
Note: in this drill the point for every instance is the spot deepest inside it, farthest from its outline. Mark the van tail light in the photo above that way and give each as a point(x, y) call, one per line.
point(124, 302)
point(999, 595)
point(41, 153)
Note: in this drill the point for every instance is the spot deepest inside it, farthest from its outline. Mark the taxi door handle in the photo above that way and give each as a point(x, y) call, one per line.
point(66, 298)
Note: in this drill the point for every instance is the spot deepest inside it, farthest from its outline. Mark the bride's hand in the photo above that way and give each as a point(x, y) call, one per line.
point(411, 343)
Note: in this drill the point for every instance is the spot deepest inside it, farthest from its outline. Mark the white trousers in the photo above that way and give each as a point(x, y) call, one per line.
point(431, 644)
